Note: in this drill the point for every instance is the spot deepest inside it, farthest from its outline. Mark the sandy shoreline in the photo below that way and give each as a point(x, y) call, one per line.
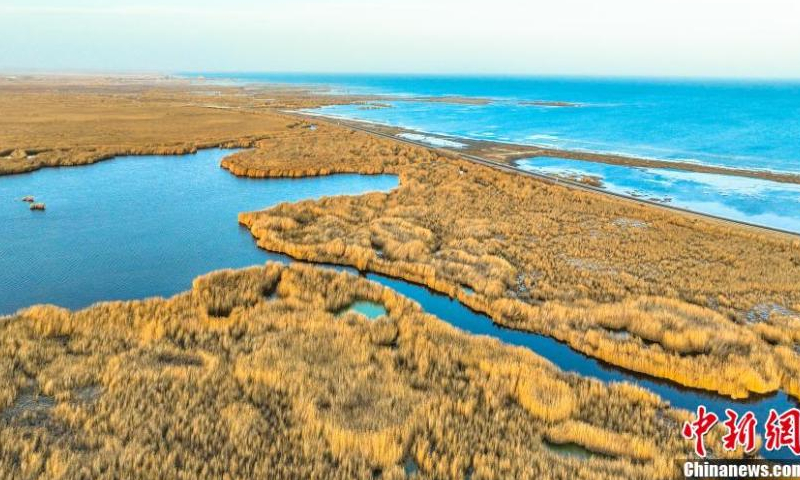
point(315, 96)
point(612, 159)
point(299, 97)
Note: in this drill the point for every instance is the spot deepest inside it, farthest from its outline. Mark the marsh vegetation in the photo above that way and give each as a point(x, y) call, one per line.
point(64, 121)
point(251, 374)
point(256, 373)
point(544, 258)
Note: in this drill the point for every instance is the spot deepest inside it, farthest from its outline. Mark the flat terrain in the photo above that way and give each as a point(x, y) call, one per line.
point(510, 154)
point(75, 121)
point(701, 303)
point(258, 373)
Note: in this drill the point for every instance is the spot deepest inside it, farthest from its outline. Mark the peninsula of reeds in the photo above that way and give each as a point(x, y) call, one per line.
point(699, 302)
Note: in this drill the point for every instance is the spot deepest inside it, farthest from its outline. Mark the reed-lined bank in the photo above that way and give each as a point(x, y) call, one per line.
point(185, 386)
point(554, 261)
point(253, 373)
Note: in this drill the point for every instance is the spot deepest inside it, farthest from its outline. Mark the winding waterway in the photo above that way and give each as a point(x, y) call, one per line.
point(135, 227)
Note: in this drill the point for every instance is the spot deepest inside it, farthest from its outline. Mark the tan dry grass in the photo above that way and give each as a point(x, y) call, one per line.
point(281, 387)
point(174, 388)
point(48, 122)
point(649, 290)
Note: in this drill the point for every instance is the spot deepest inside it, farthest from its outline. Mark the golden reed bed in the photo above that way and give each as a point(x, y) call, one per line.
point(251, 374)
point(699, 302)
point(48, 122)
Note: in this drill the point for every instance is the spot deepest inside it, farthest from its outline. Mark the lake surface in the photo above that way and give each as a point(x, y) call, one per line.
point(739, 124)
point(135, 227)
point(772, 204)
point(752, 125)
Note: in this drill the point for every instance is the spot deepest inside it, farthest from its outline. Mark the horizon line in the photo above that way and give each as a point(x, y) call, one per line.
point(13, 71)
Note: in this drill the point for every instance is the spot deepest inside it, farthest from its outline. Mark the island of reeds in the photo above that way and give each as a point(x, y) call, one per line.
point(263, 373)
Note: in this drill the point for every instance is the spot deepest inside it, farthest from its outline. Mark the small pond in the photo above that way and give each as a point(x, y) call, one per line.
point(371, 310)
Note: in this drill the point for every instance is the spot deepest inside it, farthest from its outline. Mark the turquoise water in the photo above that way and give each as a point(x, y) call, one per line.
point(740, 124)
point(751, 125)
point(762, 202)
point(140, 226)
point(135, 227)
point(371, 310)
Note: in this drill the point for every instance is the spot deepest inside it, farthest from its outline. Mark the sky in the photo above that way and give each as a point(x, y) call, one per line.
point(686, 38)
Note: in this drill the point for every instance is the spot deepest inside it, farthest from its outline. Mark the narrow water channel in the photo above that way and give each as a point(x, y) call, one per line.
point(142, 226)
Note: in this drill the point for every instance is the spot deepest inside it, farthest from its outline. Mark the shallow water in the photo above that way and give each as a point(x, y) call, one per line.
point(140, 226)
point(371, 310)
point(750, 125)
point(741, 124)
point(431, 140)
point(410, 467)
point(569, 450)
point(763, 202)
point(634, 127)
point(135, 227)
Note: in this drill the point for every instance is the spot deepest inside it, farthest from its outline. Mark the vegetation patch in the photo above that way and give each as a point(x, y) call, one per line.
point(552, 260)
point(158, 388)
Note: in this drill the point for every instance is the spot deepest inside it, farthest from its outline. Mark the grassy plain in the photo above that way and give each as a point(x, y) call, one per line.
point(66, 121)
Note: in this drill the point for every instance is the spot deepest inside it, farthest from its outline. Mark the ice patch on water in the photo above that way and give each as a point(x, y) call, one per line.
point(727, 183)
point(430, 140)
point(753, 200)
point(543, 136)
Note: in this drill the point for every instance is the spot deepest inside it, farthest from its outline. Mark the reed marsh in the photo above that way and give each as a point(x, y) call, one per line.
point(67, 121)
point(264, 373)
point(251, 374)
point(545, 258)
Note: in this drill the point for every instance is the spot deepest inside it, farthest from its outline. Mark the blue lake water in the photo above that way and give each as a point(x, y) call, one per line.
point(740, 124)
point(135, 227)
point(762, 202)
point(751, 125)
